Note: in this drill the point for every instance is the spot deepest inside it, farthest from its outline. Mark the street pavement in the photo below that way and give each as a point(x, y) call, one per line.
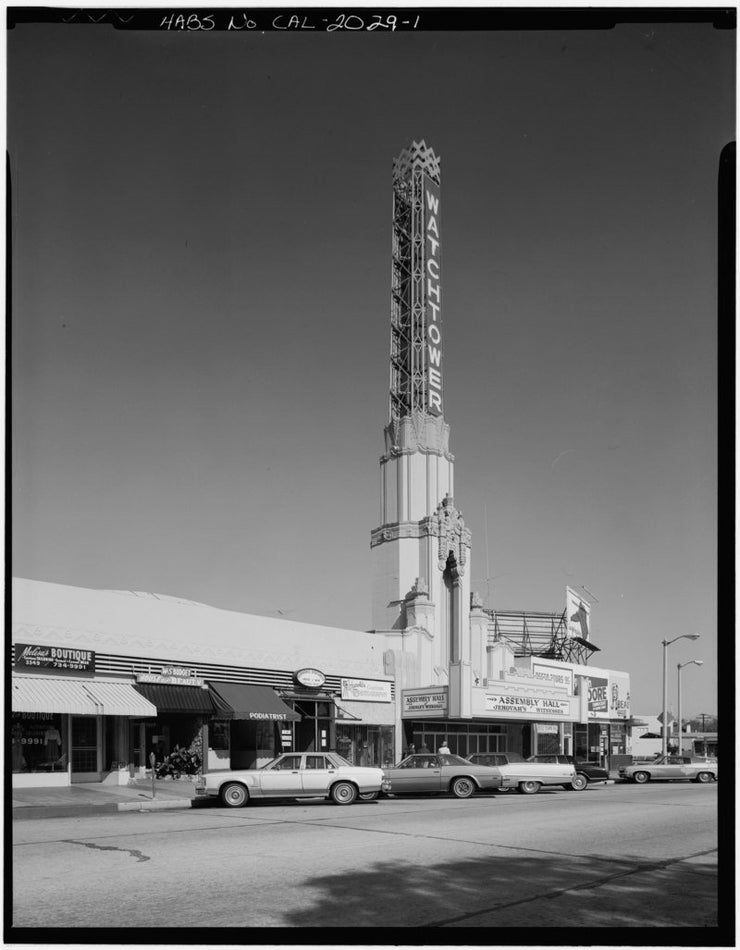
point(616, 856)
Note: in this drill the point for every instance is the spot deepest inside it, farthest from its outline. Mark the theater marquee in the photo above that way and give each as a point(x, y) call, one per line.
point(537, 707)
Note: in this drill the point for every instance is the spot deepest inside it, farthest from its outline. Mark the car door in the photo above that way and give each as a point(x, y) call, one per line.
point(318, 774)
point(417, 773)
point(282, 778)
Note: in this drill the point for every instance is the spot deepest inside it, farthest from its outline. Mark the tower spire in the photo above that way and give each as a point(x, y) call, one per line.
point(416, 297)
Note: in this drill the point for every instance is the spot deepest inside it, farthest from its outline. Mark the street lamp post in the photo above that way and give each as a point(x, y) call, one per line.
point(679, 668)
point(666, 644)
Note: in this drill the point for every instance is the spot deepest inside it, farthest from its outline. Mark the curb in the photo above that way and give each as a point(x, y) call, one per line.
point(154, 805)
point(30, 812)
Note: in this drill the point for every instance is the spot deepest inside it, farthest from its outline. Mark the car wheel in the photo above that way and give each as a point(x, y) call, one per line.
point(234, 795)
point(704, 777)
point(579, 783)
point(529, 788)
point(462, 787)
point(369, 796)
point(641, 777)
point(343, 793)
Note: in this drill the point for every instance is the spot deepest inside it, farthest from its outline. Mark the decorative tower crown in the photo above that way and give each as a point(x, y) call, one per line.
point(418, 155)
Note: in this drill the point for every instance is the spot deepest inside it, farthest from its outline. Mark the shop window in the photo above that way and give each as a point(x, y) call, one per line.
point(365, 745)
point(39, 742)
point(218, 735)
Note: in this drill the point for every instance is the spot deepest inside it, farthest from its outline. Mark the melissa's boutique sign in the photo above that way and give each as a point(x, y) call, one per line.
point(32, 656)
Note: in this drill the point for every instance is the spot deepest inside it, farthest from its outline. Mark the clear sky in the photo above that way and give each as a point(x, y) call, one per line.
point(201, 293)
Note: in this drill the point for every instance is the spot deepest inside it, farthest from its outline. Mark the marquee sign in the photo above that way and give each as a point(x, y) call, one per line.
point(32, 656)
point(432, 296)
point(421, 702)
point(518, 705)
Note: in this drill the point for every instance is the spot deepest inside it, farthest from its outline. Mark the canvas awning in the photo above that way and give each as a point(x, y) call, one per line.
point(77, 697)
point(178, 699)
point(375, 714)
point(246, 701)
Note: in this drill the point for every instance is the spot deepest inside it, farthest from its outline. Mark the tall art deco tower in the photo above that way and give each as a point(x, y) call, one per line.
point(421, 550)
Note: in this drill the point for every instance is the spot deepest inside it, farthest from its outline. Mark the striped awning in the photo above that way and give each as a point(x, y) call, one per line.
point(77, 697)
point(373, 714)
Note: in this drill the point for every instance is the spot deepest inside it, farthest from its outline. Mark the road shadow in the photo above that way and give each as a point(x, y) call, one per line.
point(515, 891)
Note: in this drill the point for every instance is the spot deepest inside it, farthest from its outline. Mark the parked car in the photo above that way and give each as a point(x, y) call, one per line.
point(671, 768)
point(295, 775)
point(443, 772)
point(528, 777)
point(589, 770)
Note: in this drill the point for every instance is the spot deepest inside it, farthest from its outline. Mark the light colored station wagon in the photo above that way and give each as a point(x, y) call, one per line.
point(671, 768)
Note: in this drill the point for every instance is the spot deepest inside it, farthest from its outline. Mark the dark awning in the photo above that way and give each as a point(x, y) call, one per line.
point(252, 702)
point(178, 699)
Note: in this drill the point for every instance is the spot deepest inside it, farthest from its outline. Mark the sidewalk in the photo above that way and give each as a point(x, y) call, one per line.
point(98, 799)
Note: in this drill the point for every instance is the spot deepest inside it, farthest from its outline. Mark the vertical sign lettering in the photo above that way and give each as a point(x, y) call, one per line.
point(433, 296)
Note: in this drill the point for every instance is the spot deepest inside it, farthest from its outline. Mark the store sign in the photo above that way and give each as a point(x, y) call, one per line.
point(31, 656)
point(553, 676)
point(534, 706)
point(314, 679)
point(423, 701)
point(619, 696)
point(598, 694)
point(173, 676)
point(370, 691)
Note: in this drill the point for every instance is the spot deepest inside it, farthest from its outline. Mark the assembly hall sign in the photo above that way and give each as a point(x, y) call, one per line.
point(516, 705)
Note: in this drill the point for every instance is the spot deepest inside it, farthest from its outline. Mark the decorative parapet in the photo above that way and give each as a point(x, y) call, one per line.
point(417, 432)
point(392, 532)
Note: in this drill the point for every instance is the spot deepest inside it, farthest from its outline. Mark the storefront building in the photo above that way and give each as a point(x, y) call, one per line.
point(531, 706)
point(104, 680)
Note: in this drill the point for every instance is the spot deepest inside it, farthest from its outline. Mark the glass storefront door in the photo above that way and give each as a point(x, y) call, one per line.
point(313, 732)
point(86, 748)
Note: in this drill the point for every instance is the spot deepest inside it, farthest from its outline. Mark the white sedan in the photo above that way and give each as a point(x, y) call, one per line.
point(528, 776)
point(295, 775)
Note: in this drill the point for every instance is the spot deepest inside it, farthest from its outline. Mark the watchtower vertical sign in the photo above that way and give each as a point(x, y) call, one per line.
point(416, 288)
point(433, 296)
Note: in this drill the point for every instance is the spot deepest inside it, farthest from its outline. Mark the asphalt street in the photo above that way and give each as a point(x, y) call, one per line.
point(617, 856)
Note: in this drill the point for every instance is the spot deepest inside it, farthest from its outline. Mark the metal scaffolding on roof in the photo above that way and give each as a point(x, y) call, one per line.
point(537, 633)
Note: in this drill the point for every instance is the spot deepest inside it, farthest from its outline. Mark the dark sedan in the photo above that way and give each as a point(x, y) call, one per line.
point(443, 772)
point(589, 770)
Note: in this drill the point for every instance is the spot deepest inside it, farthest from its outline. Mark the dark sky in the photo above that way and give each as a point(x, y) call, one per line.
point(200, 332)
